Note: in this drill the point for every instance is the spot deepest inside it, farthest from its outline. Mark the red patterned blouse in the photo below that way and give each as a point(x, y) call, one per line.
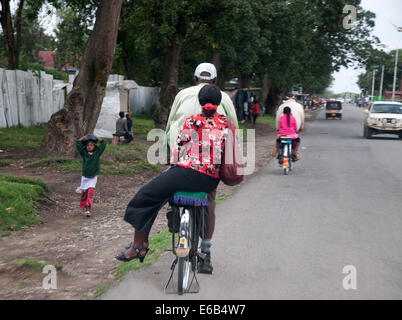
point(201, 143)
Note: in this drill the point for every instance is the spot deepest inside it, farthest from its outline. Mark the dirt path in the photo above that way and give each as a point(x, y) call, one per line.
point(84, 248)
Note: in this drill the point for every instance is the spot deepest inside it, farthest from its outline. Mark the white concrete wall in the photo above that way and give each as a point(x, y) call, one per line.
point(143, 98)
point(26, 99)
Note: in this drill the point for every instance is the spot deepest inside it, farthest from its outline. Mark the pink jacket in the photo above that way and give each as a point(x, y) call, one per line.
point(288, 130)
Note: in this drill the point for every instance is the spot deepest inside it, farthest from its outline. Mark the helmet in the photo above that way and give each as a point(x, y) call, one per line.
point(90, 138)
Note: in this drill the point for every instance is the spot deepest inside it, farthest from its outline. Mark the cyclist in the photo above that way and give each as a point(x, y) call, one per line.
point(186, 103)
point(195, 168)
point(288, 127)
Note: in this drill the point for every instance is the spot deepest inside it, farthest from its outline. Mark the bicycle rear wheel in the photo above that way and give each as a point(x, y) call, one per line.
point(188, 264)
point(183, 275)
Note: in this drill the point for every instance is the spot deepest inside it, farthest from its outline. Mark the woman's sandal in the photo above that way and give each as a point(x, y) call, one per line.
point(122, 256)
point(130, 244)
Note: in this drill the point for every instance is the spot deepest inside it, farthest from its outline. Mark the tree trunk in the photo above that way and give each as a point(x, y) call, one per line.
point(216, 60)
point(18, 21)
point(81, 110)
point(274, 99)
point(266, 87)
point(12, 41)
point(169, 87)
point(245, 81)
point(223, 74)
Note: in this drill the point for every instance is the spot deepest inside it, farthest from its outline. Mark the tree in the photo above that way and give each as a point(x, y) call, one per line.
point(81, 110)
point(377, 59)
point(72, 33)
point(273, 44)
point(11, 32)
point(163, 31)
point(308, 42)
point(32, 38)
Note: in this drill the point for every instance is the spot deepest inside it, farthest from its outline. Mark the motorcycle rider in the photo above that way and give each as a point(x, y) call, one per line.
point(288, 127)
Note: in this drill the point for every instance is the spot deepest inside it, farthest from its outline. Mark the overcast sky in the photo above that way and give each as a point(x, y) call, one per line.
point(387, 12)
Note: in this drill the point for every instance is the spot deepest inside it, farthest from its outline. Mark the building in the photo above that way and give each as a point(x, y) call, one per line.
point(49, 60)
point(398, 95)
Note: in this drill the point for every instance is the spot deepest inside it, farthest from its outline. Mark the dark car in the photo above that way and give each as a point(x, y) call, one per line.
point(333, 109)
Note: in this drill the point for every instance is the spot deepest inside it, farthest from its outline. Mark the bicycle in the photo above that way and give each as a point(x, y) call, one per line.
point(285, 153)
point(186, 248)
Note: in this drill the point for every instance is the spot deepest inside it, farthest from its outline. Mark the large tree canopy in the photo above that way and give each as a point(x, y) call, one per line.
point(377, 59)
point(274, 44)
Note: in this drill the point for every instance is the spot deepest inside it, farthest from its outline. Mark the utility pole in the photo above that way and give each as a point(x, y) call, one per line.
point(395, 74)
point(373, 83)
point(382, 81)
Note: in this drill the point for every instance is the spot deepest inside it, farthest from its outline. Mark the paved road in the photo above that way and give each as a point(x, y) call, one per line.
point(289, 237)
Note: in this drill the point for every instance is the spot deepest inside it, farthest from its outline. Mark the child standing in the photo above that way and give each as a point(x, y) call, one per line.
point(255, 111)
point(90, 154)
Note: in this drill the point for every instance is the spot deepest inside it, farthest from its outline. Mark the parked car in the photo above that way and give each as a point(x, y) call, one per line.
point(383, 117)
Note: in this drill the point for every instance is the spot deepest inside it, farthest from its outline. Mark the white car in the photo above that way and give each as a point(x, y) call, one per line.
point(383, 117)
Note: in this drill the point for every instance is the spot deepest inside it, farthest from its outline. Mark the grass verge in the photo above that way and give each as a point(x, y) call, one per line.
point(141, 126)
point(39, 265)
point(33, 264)
point(157, 245)
point(267, 119)
point(123, 165)
point(102, 288)
point(221, 198)
point(18, 198)
point(20, 137)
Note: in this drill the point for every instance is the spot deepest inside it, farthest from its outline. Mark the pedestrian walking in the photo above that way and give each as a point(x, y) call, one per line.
point(90, 153)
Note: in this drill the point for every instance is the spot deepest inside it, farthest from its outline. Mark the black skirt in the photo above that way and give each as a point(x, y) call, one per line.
point(142, 210)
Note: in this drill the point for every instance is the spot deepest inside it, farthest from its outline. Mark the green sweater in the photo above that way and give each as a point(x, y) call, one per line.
point(91, 162)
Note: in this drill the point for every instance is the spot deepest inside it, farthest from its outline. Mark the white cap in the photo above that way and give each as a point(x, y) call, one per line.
point(205, 67)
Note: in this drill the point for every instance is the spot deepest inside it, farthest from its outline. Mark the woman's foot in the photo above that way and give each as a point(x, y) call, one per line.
point(137, 249)
point(133, 253)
